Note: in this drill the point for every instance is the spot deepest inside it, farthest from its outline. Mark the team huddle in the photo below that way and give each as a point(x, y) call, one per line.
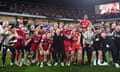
point(63, 44)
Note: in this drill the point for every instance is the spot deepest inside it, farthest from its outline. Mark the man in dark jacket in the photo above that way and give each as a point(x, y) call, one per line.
point(116, 38)
point(58, 48)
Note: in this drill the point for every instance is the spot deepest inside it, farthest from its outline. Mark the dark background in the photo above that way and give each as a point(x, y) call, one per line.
point(66, 3)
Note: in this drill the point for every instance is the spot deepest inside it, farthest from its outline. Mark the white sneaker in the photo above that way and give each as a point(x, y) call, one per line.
point(68, 64)
point(99, 62)
point(105, 64)
point(27, 64)
point(3, 66)
point(62, 64)
point(11, 64)
point(41, 65)
point(49, 64)
point(33, 61)
point(16, 63)
point(21, 64)
point(117, 65)
point(94, 63)
point(55, 64)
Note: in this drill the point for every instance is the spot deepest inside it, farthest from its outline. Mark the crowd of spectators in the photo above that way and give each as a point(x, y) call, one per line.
point(44, 10)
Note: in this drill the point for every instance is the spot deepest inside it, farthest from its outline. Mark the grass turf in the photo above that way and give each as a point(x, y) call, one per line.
point(72, 68)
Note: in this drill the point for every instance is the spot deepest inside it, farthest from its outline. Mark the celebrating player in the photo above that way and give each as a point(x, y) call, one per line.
point(44, 49)
point(76, 46)
point(85, 23)
point(67, 43)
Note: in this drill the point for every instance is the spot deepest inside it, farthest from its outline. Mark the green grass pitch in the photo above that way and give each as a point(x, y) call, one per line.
point(72, 68)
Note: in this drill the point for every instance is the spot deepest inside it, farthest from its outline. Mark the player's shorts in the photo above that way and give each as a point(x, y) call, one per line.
point(67, 45)
point(96, 47)
point(27, 48)
point(34, 47)
point(45, 48)
point(76, 46)
point(18, 45)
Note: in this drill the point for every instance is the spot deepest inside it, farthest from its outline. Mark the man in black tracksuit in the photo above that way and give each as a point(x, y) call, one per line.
point(116, 38)
point(58, 48)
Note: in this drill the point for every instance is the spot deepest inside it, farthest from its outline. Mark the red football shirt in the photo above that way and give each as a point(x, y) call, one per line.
point(67, 32)
point(20, 33)
point(45, 43)
point(75, 36)
point(20, 37)
point(35, 39)
point(85, 23)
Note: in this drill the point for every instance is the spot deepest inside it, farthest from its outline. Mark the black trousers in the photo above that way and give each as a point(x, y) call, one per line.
point(116, 51)
point(58, 55)
point(114, 45)
point(104, 50)
point(89, 53)
point(114, 55)
point(4, 53)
